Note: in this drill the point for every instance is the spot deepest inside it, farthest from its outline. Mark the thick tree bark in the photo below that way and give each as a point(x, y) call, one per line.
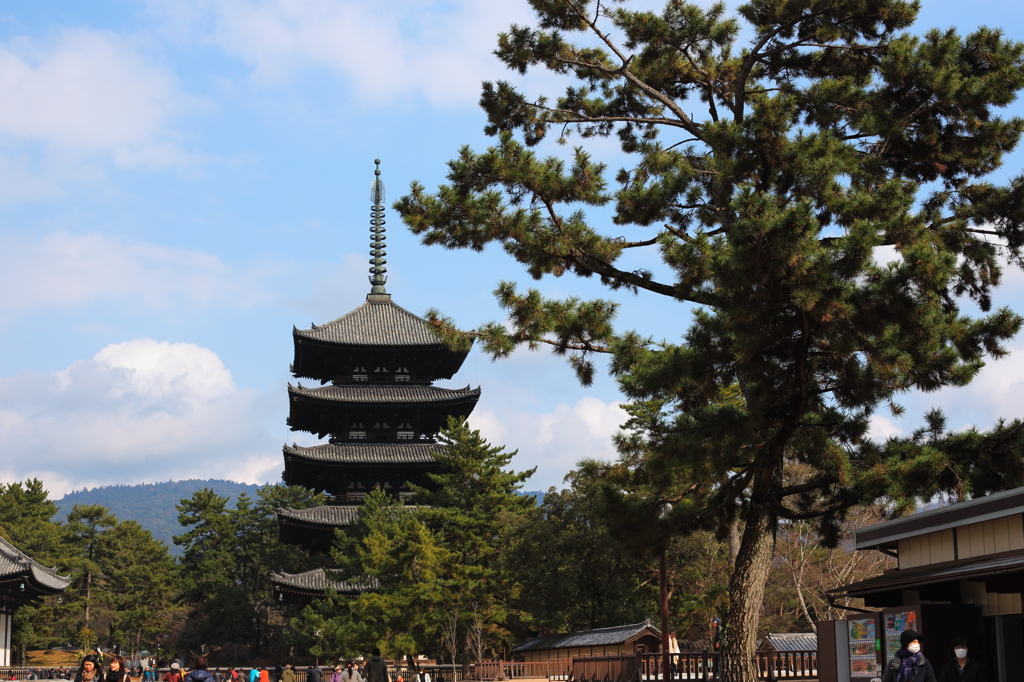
point(746, 587)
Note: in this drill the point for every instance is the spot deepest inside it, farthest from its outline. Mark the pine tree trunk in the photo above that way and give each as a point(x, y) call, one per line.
point(88, 591)
point(746, 590)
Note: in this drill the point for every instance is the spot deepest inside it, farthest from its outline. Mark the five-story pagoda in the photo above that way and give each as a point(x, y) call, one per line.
point(377, 403)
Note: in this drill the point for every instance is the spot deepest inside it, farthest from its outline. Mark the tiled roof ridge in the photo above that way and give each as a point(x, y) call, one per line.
point(43, 574)
point(369, 303)
point(380, 323)
point(413, 392)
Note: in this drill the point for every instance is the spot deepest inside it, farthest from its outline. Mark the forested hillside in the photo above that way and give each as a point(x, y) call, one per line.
point(151, 504)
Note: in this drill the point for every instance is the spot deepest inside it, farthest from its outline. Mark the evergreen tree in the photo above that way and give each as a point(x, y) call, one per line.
point(431, 567)
point(140, 577)
point(86, 525)
point(769, 166)
point(570, 571)
point(228, 556)
point(472, 507)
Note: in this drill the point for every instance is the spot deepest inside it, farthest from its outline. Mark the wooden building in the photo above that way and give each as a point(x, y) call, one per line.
point(377, 406)
point(964, 563)
point(621, 639)
point(22, 581)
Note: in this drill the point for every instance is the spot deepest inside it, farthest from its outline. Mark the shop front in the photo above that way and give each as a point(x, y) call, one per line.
point(960, 573)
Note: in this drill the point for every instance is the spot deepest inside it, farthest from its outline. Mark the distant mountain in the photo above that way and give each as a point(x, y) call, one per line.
point(152, 504)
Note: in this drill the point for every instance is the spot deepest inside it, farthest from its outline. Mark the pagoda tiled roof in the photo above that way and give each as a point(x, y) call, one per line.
point(375, 453)
point(326, 515)
point(377, 323)
point(316, 581)
point(16, 564)
point(386, 393)
point(335, 516)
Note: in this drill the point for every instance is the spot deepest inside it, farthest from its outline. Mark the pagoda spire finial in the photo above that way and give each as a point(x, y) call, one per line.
point(377, 277)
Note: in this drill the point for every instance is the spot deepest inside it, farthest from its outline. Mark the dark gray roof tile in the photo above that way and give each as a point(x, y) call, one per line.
point(317, 581)
point(378, 323)
point(14, 562)
point(326, 515)
point(586, 638)
point(377, 453)
point(385, 393)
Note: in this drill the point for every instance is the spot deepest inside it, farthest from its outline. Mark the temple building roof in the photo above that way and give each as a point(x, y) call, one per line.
point(376, 394)
point(376, 323)
point(18, 567)
point(376, 453)
point(314, 584)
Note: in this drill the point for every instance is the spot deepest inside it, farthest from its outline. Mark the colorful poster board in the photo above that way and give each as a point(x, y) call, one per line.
point(863, 661)
point(895, 624)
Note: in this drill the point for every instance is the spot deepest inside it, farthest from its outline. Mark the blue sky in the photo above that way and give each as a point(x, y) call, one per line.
point(181, 181)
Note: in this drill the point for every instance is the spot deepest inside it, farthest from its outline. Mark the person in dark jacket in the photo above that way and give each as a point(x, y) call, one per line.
point(376, 668)
point(314, 674)
point(962, 668)
point(909, 664)
point(116, 671)
point(199, 673)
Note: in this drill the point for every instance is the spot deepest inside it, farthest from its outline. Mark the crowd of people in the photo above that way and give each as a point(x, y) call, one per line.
point(373, 669)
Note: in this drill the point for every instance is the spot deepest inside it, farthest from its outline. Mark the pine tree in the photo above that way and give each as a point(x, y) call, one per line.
point(768, 168)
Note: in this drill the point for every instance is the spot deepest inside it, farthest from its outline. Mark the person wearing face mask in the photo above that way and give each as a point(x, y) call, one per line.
point(909, 664)
point(962, 668)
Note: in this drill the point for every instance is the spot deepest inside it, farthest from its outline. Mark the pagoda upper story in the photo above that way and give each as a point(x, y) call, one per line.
point(377, 343)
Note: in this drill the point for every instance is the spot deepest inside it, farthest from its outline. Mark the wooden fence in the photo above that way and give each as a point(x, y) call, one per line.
point(698, 665)
point(703, 665)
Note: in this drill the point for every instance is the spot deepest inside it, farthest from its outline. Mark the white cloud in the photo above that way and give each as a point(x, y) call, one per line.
point(439, 50)
point(84, 96)
point(64, 269)
point(555, 441)
point(136, 411)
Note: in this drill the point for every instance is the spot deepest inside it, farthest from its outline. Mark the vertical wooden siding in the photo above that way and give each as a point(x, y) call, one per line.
point(976, 539)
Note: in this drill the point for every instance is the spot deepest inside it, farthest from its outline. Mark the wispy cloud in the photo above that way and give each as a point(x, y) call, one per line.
point(554, 441)
point(140, 410)
point(438, 50)
point(63, 269)
point(80, 100)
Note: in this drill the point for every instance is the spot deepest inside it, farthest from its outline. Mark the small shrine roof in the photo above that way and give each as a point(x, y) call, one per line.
point(378, 323)
point(15, 563)
point(618, 634)
point(386, 393)
point(317, 581)
point(375, 453)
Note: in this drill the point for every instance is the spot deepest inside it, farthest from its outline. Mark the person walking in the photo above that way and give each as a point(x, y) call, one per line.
point(376, 668)
point(264, 675)
point(174, 673)
point(961, 668)
point(116, 671)
point(288, 675)
point(351, 673)
point(278, 670)
point(199, 673)
point(254, 675)
point(314, 674)
point(909, 664)
point(89, 671)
